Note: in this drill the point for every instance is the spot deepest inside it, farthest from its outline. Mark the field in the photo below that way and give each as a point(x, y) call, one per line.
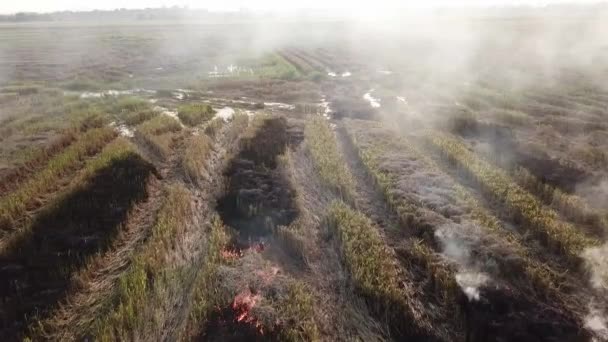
point(271, 181)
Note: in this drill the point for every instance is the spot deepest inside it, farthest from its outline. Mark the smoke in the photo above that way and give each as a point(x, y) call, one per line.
point(595, 193)
point(471, 282)
point(457, 241)
point(4, 69)
point(597, 323)
point(596, 262)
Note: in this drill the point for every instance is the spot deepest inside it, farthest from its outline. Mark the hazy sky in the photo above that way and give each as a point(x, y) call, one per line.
point(12, 6)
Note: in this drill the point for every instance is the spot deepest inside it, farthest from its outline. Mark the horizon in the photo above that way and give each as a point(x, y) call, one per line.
point(275, 6)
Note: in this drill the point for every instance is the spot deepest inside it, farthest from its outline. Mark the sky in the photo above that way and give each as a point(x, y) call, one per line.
point(8, 6)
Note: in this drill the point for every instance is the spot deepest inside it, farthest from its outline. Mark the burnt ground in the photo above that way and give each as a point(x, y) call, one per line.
point(507, 310)
point(36, 269)
point(500, 143)
point(258, 199)
point(372, 203)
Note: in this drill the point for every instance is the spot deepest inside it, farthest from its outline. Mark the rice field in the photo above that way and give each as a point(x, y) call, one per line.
point(187, 181)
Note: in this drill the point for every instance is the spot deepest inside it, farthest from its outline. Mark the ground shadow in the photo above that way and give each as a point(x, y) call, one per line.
point(35, 272)
point(258, 197)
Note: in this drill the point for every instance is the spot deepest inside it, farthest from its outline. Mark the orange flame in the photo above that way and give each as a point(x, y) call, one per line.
point(231, 254)
point(242, 305)
point(259, 247)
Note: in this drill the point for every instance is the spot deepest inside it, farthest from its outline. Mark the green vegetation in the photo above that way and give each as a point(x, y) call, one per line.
point(195, 114)
point(83, 85)
point(321, 142)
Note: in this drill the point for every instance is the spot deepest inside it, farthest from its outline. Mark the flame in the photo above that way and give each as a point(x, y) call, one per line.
point(231, 254)
point(242, 305)
point(259, 247)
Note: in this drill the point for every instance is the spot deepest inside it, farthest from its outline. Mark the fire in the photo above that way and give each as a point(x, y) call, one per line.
point(242, 305)
point(231, 254)
point(259, 247)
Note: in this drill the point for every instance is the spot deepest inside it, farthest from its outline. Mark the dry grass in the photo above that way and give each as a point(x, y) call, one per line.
point(265, 139)
point(136, 118)
point(131, 307)
point(206, 294)
point(419, 253)
point(15, 205)
point(523, 207)
point(512, 117)
point(129, 104)
point(541, 276)
point(161, 144)
point(96, 203)
point(158, 133)
point(373, 270)
point(571, 206)
point(34, 159)
point(198, 148)
point(159, 125)
point(298, 308)
point(321, 142)
point(214, 127)
point(240, 122)
point(441, 274)
point(195, 114)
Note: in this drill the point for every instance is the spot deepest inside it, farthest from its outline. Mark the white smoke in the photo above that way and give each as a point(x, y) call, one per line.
point(596, 262)
point(598, 324)
point(455, 248)
point(596, 194)
point(470, 282)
